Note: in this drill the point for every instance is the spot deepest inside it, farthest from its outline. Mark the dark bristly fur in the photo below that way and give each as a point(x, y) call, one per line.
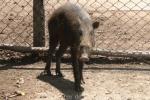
point(71, 26)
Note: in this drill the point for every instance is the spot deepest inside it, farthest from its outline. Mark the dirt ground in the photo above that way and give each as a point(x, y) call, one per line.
point(106, 79)
point(120, 28)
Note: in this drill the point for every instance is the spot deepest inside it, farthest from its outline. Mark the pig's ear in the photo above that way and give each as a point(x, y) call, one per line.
point(95, 25)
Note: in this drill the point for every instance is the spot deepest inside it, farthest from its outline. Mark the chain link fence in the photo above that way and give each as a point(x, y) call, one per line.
point(16, 22)
point(124, 24)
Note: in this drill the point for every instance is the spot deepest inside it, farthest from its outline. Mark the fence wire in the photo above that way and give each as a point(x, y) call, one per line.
point(124, 24)
point(16, 22)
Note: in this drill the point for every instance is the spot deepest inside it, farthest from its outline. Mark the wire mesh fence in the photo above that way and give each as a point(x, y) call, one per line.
point(124, 24)
point(16, 22)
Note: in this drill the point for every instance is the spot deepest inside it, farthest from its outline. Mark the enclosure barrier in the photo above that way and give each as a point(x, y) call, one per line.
point(94, 51)
point(123, 32)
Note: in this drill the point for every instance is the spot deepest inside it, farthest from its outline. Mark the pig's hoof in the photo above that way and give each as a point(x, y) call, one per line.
point(59, 74)
point(48, 73)
point(44, 72)
point(79, 89)
point(82, 82)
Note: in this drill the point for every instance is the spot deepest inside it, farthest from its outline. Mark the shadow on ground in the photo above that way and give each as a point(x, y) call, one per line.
point(65, 86)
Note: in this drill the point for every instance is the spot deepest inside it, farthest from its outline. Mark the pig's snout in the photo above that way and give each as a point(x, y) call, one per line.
point(84, 58)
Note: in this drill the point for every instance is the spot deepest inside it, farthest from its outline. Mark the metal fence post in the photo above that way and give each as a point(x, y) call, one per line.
point(38, 23)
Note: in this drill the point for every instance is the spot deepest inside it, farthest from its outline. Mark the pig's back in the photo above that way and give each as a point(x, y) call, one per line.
point(73, 11)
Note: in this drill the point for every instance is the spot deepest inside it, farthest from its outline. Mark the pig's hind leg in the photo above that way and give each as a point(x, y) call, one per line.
point(52, 46)
point(59, 53)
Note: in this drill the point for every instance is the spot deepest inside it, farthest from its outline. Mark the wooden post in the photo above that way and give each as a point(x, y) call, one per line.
point(38, 23)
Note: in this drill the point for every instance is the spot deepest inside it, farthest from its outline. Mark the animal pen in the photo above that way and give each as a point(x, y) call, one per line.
point(123, 32)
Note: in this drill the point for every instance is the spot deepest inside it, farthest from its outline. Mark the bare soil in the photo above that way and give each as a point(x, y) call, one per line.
point(21, 77)
point(105, 79)
point(120, 29)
